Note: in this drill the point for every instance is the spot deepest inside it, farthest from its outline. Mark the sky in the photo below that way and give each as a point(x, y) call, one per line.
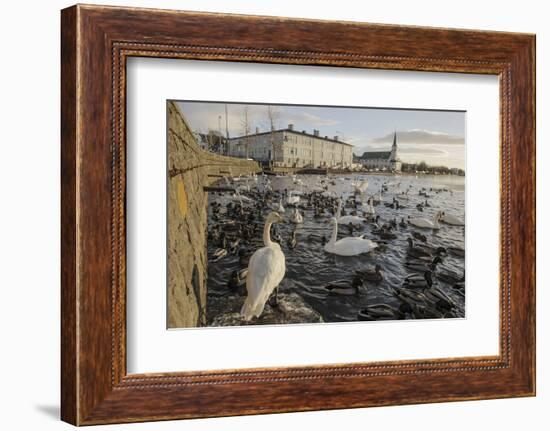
point(436, 137)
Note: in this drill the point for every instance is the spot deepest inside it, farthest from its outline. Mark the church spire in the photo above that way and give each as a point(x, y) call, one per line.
point(394, 146)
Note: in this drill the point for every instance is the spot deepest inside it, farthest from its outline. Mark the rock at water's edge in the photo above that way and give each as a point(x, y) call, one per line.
point(291, 308)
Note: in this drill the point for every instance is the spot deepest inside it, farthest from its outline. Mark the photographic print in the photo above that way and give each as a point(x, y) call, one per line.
point(299, 214)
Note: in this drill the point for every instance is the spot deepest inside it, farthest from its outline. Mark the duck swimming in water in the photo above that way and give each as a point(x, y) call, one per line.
point(237, 279)
point(292, 242)
point(218, 254)
point(419, 236)
point(456, 251)
point(379, 312)
point(416, 251)
point(421, 265)
point(416, 280)
point(449, 277)
point(345, 287)
point(371, 274)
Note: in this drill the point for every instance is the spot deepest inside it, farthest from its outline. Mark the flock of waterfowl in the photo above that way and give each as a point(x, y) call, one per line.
point(246, 225)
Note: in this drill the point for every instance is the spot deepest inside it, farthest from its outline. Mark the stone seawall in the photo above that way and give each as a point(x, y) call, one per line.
point(190, 169)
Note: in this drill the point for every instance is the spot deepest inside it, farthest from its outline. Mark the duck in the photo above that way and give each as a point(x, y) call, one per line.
point(296, 217)
point(416, 251)
point(426, 223)
point(439, 298)
point(449, 277)
point(405, 294)
point(234, 245)
point(456, 251)
point(419, 236)
point(452, 220)
point(379, 312)
point(218, 254)
point(237, 279)
point(417, 280)
point(374, 274)
point(386, 233)
point(348, 246)
point(244, 256)
point(292, 242)
point(344, 287)
point(422, 266)
point(266, 270)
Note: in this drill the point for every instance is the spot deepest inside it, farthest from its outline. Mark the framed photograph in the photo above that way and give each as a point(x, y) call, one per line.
point(266, 215)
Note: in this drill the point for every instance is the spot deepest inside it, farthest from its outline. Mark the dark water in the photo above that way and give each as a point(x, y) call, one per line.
point(309, 268)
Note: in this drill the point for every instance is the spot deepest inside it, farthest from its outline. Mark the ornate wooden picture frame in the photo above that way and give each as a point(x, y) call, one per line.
point(96, 42)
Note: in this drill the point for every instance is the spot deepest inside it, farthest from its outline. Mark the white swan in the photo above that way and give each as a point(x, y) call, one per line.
point(240, 198)
point(426, 223)
point(266, 269)
point(347, 219)
point(368, 207)
point(278, 207)
point(296, 217)
point(349, 246)
point(452, 219)
point(361, 187)
point(292, 198)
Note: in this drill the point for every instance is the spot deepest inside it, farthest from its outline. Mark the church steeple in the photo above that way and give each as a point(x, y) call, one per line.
point(393, 153)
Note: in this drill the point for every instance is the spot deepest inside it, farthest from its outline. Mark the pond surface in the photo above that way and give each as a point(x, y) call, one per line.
point(309, 269)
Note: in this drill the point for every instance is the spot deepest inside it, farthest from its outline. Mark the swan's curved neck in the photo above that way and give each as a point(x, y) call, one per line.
point(334, 232)
point(339, 210)
point(267, 234)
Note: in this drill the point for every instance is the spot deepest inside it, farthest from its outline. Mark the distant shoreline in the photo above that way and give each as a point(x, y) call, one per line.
point(296, 171)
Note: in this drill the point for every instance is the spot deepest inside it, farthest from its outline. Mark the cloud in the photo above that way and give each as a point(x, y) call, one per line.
point(418, 136)
point(311, 119)
point(423, 151)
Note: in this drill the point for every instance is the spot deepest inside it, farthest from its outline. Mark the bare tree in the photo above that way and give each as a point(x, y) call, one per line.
point(246, 128)
point(273, 115)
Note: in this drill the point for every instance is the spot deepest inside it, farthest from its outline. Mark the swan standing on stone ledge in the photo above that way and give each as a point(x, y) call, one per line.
point(265, 271)
point(349, 246)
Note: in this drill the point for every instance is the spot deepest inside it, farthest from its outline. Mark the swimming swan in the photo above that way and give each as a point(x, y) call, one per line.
point(368, 208)
point(361, 187)
point(292, 198)
point(278, 207)
point(296, 217)
point(347, 219)
point(452, 219)
point(426, 223)
point(265, 271)
point(349, 246)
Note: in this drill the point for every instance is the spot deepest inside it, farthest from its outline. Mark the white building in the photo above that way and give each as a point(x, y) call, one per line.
point(381, 160)
point(291, 148)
